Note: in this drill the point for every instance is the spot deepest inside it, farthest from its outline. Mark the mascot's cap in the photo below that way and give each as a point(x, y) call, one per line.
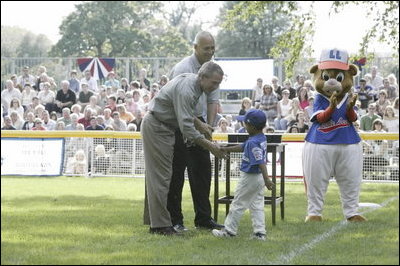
point(334, 59)
point(254, 117)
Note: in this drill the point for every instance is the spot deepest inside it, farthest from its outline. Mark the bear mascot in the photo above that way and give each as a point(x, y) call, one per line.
point(332, 145)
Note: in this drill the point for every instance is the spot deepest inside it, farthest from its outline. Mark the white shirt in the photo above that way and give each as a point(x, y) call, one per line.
point(92, 84)
point(391, 125)
point(7, 95)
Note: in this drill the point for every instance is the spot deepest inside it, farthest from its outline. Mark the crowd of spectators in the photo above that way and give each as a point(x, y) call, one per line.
point(37, 103)
point(289, 108)
point(31, 102)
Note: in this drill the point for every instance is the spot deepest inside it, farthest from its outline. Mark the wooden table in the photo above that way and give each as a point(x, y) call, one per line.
point(272, 200)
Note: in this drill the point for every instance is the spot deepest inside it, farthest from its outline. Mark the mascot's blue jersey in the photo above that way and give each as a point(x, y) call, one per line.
point(338, 130)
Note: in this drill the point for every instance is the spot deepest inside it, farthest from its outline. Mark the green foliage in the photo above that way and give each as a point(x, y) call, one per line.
point(255, 35)
point(17, 42)
point(291, 42)
point(116, 28)
point(78, 221)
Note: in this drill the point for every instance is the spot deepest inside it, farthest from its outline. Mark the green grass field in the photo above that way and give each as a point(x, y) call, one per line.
point(75, 220)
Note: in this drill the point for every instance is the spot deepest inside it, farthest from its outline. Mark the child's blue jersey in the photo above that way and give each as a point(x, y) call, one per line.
point(338, 130)
point(254, 153)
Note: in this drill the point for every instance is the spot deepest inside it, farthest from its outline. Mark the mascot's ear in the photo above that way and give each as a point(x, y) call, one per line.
point(353, 70)
point(313, 69)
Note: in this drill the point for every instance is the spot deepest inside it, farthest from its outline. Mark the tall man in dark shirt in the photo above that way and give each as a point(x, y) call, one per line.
point(195, 158)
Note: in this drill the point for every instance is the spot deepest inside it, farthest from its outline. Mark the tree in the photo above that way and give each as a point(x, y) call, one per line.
point(295, 40)
point(251, 37)
point(115, 28)
point(292, 42)
point(17, 42)
point(181, 17)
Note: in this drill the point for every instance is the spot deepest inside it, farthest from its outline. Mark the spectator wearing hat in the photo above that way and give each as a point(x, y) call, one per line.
point(74, 83)
point(38, 125)
point(112, 81)
point(365, 92)
point(25, 77)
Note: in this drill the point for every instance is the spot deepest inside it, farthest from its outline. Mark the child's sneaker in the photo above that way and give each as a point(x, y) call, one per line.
point(259, 236)
point(222, 233)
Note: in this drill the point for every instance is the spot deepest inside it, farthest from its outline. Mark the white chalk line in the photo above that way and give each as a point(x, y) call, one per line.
point(287, 258)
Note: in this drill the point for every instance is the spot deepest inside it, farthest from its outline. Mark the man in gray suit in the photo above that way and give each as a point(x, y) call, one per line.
point(174, 108)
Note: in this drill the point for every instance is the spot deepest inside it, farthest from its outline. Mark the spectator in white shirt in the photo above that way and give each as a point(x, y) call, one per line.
point(92, 83)
point(8, 94)
point(48, 123)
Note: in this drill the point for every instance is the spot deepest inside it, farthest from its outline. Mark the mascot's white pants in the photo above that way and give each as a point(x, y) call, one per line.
point(344, 162)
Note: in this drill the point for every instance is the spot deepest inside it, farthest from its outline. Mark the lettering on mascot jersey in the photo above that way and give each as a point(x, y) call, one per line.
point(331, 125)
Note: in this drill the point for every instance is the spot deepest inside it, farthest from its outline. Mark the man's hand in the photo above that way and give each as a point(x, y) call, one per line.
point(203, 128)
point(218, 151)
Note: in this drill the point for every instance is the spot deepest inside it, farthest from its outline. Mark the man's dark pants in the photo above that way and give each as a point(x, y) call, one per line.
point(198, 162)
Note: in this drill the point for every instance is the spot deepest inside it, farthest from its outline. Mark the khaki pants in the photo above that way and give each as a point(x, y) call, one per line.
point(158, 146)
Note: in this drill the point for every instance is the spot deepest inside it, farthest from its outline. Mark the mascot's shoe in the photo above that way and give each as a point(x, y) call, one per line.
point(313, 218)
point(357, 218)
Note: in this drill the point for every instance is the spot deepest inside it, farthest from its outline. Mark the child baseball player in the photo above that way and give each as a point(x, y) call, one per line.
point(249, 193)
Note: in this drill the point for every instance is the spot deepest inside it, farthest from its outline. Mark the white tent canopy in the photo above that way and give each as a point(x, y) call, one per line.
point(242, 74)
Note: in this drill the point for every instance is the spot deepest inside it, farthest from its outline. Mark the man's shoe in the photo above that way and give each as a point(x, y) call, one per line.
point(222, 233)
point(357, 218)
point(313, 218)
point(180, 228)
point(259, 236)
point(165, 231)
point(210, 225)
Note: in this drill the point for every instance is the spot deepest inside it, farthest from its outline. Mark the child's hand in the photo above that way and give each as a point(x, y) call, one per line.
point(269, 184)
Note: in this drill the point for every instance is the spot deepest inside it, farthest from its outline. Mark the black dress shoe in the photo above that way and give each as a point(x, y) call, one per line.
point(211, 224)
point(166, 231)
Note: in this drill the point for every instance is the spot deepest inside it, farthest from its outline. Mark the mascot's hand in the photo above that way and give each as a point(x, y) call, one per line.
point(352, 101)
point(333, 100)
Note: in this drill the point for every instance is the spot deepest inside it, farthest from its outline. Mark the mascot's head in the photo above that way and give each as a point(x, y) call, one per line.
point(333, 73)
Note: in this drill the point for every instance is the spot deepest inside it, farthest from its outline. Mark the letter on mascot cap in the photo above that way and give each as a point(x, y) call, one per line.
point(334, 59)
